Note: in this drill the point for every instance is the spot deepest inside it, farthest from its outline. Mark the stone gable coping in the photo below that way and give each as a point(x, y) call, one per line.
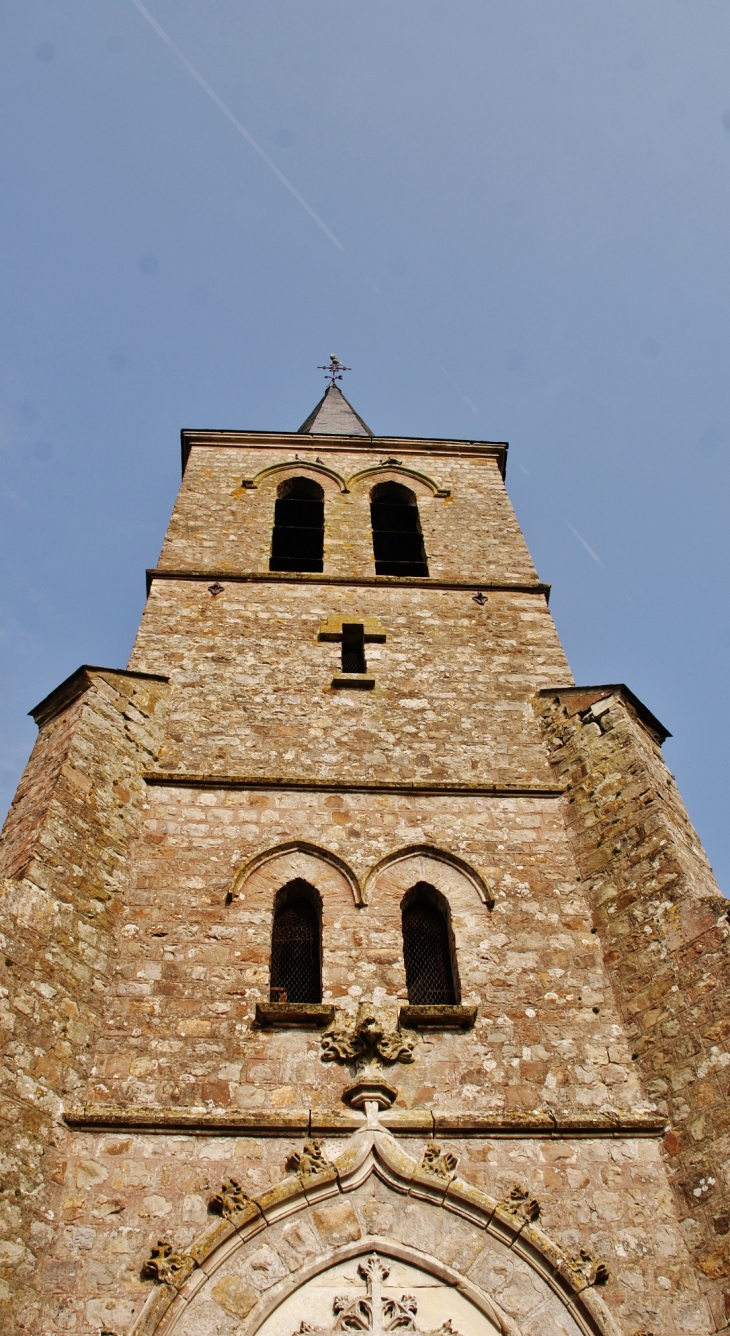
point(579, 699)
point(74, 686)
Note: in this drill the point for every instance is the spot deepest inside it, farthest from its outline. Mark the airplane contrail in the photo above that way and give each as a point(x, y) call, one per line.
point(235, 122)
point(588, 549)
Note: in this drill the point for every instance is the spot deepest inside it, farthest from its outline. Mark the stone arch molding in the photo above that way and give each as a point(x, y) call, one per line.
point(424, 862)
point(327, 477)
point(257, 1259)
point(421, 483)
point(414, 862)
point(296, 858)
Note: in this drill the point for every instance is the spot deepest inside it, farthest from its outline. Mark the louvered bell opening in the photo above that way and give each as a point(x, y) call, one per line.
point(397, 540)
point(297, 543)
point(400, 518)
point(295, 952)
point(399, 554)
point(427, 956)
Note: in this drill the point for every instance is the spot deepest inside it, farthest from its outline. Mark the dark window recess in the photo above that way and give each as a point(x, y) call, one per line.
point(397, 538)
point(427, 951)
point(296, 970)
point(297, 542)
point(353, 648)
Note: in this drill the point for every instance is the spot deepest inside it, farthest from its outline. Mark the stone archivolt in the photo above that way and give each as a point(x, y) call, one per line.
point(397, 471)
point(292, 859)
point(293, 468)
point(181, 1276)
point(428, 861)
point(299, 858)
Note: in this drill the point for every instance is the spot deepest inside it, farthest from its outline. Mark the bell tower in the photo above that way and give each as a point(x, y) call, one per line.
point(362, 972)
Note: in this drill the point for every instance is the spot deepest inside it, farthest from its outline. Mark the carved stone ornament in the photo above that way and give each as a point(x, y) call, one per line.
point(585, 1267)
point(374, 1312)
point(440, 1162)
point(310, 1160)
point(521, 1204)
point(368, 1038)
point(167, 1267)
point(230, 1200)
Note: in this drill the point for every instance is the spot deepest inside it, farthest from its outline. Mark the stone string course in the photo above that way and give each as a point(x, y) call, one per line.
point(136, 924)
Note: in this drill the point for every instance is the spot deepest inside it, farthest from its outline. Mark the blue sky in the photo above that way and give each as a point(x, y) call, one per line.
point(532, 205)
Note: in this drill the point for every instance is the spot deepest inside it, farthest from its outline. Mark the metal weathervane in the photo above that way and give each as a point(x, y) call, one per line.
point(333, 372)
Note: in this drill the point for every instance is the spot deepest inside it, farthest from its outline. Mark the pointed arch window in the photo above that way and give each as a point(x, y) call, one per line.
point(296, 944)
point(397, 538)
point(428, 948)
point(297, 542)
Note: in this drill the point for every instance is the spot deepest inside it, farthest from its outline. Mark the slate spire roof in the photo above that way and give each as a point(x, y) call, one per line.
point(333, 416)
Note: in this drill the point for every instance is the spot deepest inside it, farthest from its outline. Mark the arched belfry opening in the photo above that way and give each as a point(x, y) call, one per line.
point(296, 944)
point(297, 541)
point(397, 539)
point(429, 953)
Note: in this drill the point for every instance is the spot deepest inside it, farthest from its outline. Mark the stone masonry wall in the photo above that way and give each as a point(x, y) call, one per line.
point(122, 1192)
point(190, 967)
point(253, 690)
point(664, 927)
point(471, 534)
point(67, 833)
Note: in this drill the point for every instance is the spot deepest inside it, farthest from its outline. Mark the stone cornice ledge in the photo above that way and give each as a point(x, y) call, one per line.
point(332, 1122)
point(354, 581)
point(188, 779)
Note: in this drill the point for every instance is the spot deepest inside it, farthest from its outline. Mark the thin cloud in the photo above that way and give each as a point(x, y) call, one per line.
point(587, 546)
point(235, 122)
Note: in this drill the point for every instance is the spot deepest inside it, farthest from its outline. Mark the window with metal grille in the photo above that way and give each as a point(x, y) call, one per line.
point(397, 538)
point(297, 542)
point(296, 956)
point(428, 948)
point(353, 648)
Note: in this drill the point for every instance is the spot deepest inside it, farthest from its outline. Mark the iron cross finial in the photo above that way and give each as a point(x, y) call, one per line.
point(334, 371)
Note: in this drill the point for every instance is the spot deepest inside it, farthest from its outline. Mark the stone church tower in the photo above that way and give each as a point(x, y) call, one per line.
point(360, 972)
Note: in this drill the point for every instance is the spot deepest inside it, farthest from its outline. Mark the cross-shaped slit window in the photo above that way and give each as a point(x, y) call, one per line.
point(353, 647)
